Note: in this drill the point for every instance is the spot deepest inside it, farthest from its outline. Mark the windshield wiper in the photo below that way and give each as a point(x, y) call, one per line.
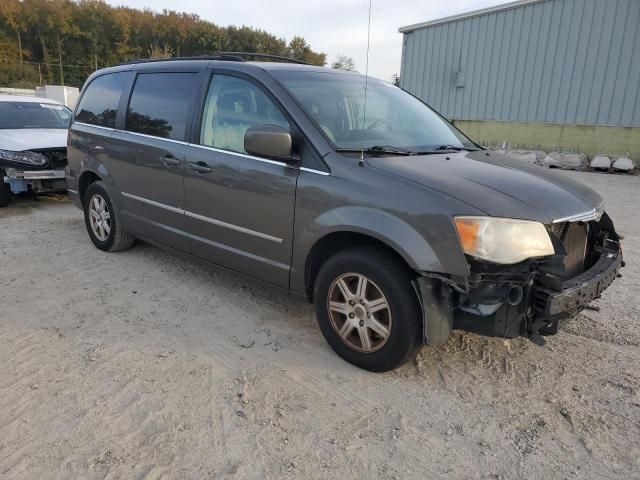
point(388, 149)
point(449, 148)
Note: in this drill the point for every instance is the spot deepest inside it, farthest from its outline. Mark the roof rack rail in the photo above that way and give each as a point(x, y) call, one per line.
point(265, 55)
point(226, 56)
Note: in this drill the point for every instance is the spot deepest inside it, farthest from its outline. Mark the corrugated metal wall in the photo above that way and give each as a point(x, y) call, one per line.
point(559, 61)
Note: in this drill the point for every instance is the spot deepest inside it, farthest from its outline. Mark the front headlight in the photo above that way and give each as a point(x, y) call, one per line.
point(503, 240)
point(22, 159)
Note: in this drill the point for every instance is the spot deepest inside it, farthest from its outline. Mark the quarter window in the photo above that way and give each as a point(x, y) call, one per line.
point(160, 104)
point(234, 105)
point(99, 103)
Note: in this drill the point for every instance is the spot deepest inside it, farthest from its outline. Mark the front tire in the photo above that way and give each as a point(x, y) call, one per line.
point(5, 190)
point(366, 308)
point(101, 219)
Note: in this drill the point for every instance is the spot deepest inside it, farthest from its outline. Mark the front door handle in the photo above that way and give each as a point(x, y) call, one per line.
point(199, 167)
point(170, 161)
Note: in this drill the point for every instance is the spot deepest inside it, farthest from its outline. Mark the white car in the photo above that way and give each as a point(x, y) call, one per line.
point(33, 145)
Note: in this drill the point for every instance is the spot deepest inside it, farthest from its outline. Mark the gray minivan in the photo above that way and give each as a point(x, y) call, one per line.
point(397, 226)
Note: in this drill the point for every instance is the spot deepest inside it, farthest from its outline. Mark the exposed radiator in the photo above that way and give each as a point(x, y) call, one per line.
point(574, 237)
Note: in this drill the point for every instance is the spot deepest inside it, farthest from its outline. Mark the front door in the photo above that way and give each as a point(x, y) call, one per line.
point(148, 156)
point(239, 207)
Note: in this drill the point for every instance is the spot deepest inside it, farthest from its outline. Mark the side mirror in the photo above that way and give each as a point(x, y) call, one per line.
point(270, 141)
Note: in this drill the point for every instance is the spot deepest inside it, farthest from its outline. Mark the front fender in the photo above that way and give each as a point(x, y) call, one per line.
point(383, 226)
point(394, 232)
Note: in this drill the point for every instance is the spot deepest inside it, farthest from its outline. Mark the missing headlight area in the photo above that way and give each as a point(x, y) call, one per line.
point(531, 298)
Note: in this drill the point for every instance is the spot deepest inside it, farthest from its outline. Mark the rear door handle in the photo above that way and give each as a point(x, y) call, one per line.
point(199, 167)
point(170, 161)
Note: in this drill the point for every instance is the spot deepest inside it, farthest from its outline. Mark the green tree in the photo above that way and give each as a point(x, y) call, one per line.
point(344, 62)
point(160, 52)
point(68, 39)
point(62, 27)
point(300, 50)
point(12, 13)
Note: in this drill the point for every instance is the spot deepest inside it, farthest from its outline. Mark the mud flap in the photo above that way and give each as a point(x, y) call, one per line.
point(437, 310)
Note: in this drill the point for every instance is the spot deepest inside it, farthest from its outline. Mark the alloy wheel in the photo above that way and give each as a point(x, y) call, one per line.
point(359, 312)
point(99, 217)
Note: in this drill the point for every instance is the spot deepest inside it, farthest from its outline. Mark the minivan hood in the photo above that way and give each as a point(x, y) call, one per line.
point(496, 184)
point(32, 138)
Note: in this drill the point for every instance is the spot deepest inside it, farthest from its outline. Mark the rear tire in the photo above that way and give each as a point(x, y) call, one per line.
point(5, 190)
point(376, 327)
point(102, 221)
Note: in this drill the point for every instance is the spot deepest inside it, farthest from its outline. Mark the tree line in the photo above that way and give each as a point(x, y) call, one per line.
point(63, 41)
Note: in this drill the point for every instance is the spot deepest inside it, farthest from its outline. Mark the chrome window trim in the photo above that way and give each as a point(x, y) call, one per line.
point(593, 214)
point(92, 125)
point(312, 170)
point(202, 218)
point(238, 154)
point(205, 147)
point(153, 137)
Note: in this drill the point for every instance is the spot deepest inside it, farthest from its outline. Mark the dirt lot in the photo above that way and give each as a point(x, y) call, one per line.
point(143, 365)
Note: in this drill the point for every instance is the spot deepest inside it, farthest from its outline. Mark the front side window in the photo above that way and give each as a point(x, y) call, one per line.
point(160, 104)
point(99, 104)
point(393, 118)
point(234, 105)
point(19, 115)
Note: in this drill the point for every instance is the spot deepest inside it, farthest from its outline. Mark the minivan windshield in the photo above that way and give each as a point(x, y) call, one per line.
point(395, 121)
point(19, 115)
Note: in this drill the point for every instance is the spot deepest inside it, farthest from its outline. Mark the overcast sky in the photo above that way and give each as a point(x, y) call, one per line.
point(330, 26)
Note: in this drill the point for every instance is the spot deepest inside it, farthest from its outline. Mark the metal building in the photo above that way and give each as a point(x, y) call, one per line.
point(550, 73)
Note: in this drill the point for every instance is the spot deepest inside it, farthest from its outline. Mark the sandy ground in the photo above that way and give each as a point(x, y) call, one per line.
point(143, 365)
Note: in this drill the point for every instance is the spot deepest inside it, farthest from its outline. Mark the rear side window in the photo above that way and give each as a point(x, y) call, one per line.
point(160, 104)
point(99, 103)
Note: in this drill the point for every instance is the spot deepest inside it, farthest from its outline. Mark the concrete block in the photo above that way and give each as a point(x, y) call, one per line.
point(531, 156)
point(566, 161)
point(623, 164)
point(601, 162)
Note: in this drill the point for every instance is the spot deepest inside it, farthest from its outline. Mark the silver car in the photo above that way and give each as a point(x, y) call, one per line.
point(33, 145)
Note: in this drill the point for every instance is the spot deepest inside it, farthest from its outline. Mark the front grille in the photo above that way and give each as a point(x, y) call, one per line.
point(574, 237)
point(57, 157)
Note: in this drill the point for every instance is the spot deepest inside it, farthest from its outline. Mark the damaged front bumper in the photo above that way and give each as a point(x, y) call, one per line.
point(529, 299)
point(580, 291)
point(36, 181)
point(35, 171)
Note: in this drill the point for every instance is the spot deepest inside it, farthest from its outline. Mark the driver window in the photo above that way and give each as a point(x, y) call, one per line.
point(234, 105)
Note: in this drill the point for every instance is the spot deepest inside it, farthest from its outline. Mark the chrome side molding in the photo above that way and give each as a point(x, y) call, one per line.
point(202, 218)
